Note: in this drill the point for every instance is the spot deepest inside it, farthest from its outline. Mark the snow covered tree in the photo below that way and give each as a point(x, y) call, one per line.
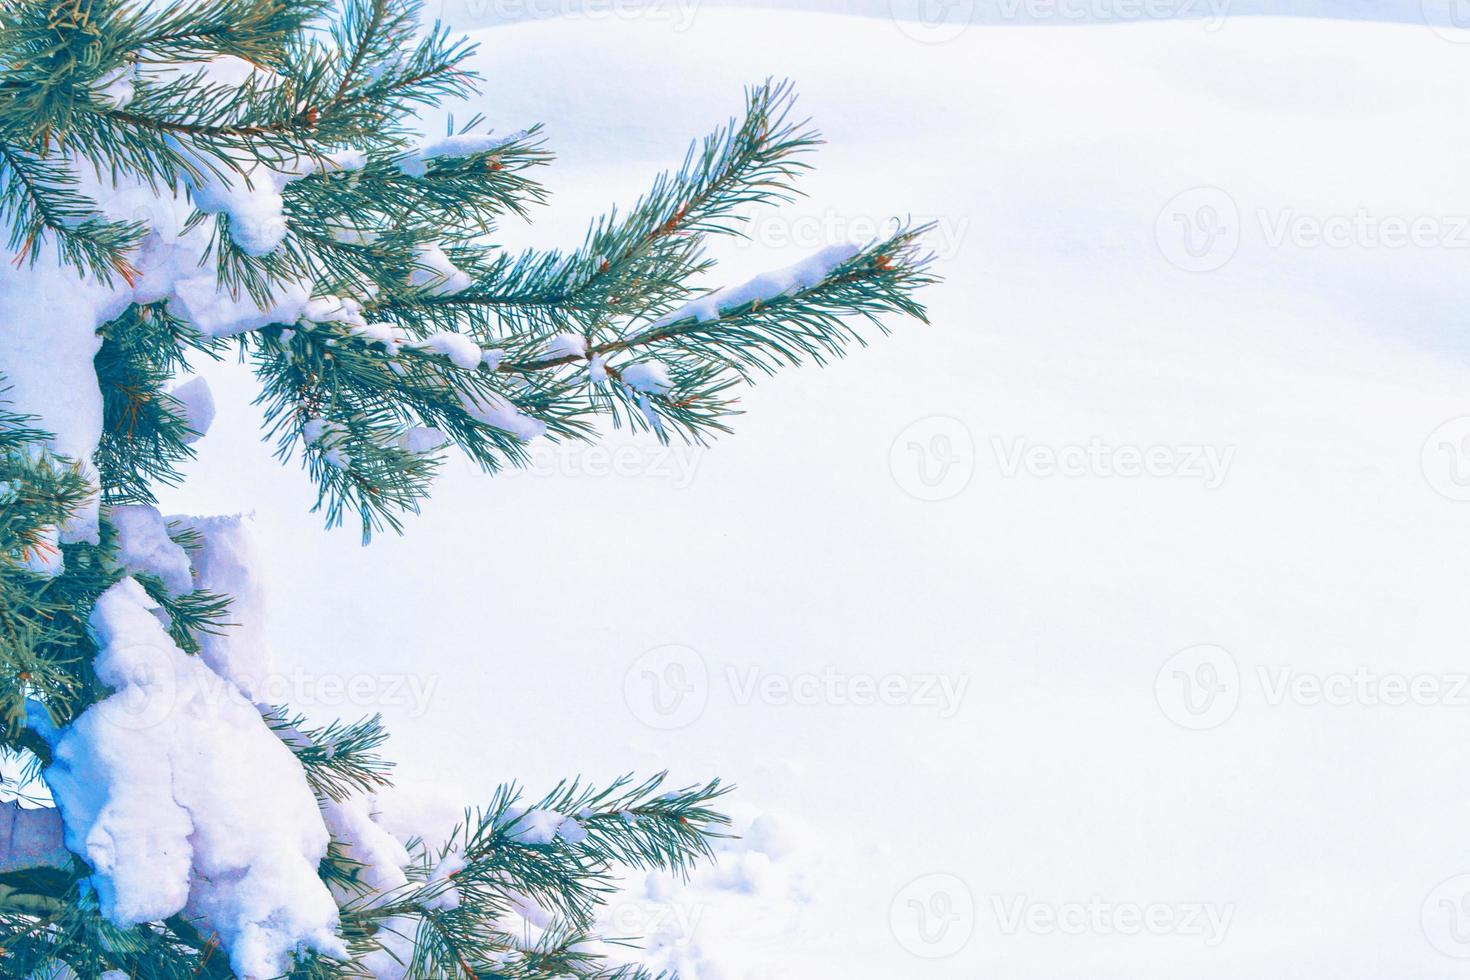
point(184, 181)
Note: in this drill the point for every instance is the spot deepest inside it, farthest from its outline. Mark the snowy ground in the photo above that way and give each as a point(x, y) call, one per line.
point(917, 614)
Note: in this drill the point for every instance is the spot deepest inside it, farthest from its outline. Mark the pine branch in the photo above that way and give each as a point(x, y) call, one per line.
point(351, 400)
point(567, 866)
point(695, 356)
point(340, 759)
point(191, 615)
point(465, 347)
point(560, 854)
point(39, 198)
point(42, 637)
point(641, 264)
point(257, 31)
point(146, 433)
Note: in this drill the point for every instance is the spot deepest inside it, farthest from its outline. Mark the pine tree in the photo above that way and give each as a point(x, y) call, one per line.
point(246, 178)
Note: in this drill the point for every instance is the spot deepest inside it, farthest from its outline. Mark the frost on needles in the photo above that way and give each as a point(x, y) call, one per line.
point(246, 178)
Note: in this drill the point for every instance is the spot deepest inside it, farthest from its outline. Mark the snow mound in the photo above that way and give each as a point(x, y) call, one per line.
point(143, 546)
point(163, 789)
point(225, 563)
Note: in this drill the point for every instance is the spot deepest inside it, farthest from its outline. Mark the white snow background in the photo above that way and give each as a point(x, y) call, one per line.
point(1022, 782)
